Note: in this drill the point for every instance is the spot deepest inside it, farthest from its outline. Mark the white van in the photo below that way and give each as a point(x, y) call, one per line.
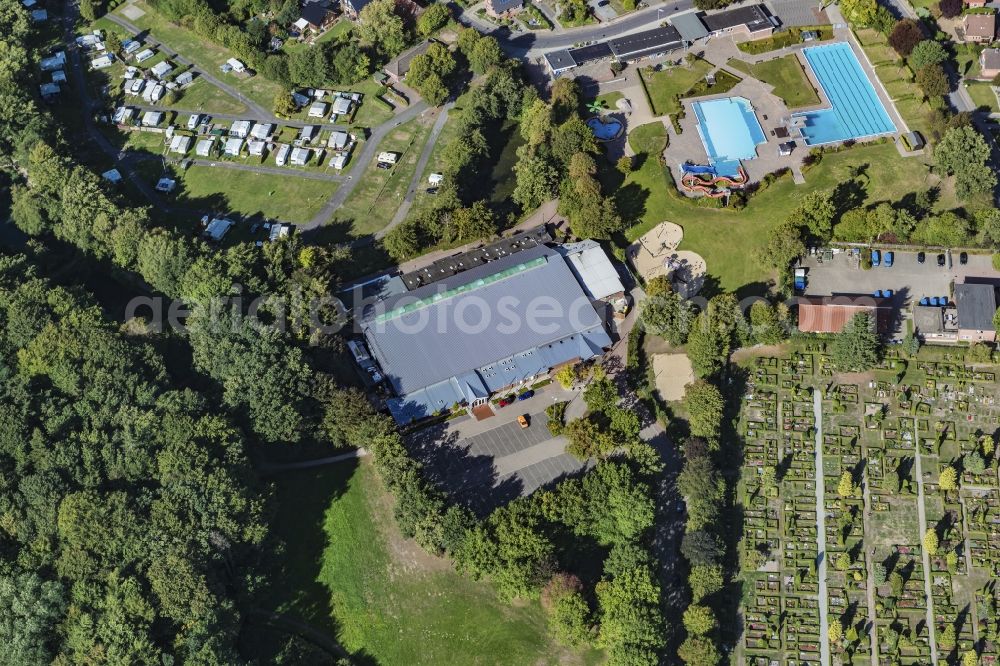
point(194, 121)
point(282, 157)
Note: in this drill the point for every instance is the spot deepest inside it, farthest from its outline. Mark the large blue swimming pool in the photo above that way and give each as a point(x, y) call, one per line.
point(729, 129)
point(856, 111)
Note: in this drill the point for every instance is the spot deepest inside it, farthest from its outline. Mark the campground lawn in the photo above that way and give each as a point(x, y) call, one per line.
point(787, 77)
point(285, 198)
point(203, 96)
point(347, 572)
point(375, 199)
point(984, 97)
point(728, 239)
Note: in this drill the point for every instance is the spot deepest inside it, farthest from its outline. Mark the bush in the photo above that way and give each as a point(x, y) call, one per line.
point(556, 413)
point(996, 261)
point(950, 8)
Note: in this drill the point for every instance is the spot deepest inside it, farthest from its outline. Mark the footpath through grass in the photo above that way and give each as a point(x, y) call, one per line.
point(346, 570)
point(728, 239)
point(787, 77)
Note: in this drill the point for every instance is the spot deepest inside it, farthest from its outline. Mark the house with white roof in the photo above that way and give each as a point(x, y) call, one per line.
point(300, 156)
point(341, 105)
point(185, 78)
point(256, 148)
point(204, 147)
point(233, 147)
point(152, 118)
point(113, 176)
point(180, 144)
point(131, 72)
point(123, 114)
point(134, 86)
point(56, 61)
point(217, 228)
point(338, 140)
point(154, 92)
point(307, 133)
point(161, 69)
point(236, 65)
point(102, 62)
point(435, 178)
point(145, 55)
point(279, 230)
point(339, 161)
point(318, 109)
point(130, 46)
point(241, 128)
point(282, 157)
point(261, 131)
point(387, 158)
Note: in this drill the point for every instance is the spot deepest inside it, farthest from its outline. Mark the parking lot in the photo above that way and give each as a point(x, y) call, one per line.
point(492, 467)
point(907, 278)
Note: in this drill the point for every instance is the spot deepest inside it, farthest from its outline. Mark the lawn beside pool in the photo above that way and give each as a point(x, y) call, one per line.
point(348, 573)
point(786, 75)
point(666, 87)
point(728, 239)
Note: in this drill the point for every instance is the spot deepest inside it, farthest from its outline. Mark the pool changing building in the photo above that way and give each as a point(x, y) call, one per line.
point(468, 336)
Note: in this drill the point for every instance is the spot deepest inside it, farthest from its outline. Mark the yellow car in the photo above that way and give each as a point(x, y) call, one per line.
point(523, 420)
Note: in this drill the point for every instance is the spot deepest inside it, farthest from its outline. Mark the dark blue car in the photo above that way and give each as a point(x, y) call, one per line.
point(525, 395)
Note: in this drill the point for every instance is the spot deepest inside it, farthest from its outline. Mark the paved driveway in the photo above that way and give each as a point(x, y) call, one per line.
point(495, 466)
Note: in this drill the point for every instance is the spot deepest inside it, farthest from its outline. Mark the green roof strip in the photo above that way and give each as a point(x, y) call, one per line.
point(459, 290)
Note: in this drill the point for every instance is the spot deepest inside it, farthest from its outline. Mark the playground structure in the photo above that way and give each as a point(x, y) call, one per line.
point(705, 179)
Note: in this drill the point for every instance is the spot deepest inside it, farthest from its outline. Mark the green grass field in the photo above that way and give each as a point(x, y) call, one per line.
point(347, 572)
point(374, 201)
point(984, 97)
point(205, 54)
point(286, 198)
point(786, 75)
point(203, 96)
point(726, 238)
point(665, 87)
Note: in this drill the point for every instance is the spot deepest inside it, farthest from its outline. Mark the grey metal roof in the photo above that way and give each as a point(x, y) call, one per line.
point(421, 351)
point(754, 17)
point(976, 306)
point(646, 42)
point(592, 268)
point(591, 53)
point(689, 25)
point(559, 60)
point(501, 6)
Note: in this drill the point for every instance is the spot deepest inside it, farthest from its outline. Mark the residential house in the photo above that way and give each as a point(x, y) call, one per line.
point(498, 8)
point(318, 110)
point(185, 78)
point(979, 28)
point(400, 65)
point(352, 8)
point(261, 131)
point(180, 144)
point(338, 140)
point(752, 21)
point(315, 16)
point(976, 304)
point(989, 63)
point(113, 176)
point(204, 147)
point(300, 156)
point(152, 118)
point(241, 128)
point(256, 148)
point(233, 146)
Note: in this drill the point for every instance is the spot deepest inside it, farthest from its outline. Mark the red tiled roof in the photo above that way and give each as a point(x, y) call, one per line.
point(830, 315)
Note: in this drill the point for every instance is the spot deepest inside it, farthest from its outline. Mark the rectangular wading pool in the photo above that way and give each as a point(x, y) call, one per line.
point(855, 110)
point(728, 129)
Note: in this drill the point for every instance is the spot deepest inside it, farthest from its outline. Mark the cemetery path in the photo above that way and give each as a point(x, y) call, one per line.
point(922, 523)
point(869, 563)
point(824, 625)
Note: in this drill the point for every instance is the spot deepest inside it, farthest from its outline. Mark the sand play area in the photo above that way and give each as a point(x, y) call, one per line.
point(673, 373)
point(656, 253)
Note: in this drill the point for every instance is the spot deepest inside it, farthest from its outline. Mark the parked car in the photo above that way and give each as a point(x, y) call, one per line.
point(876, 257)
point(940, 260)
point(921, 257)
point(887, 260)
point(522, 420)
point(525, 395)
point(963, 258)
point(503, 402)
